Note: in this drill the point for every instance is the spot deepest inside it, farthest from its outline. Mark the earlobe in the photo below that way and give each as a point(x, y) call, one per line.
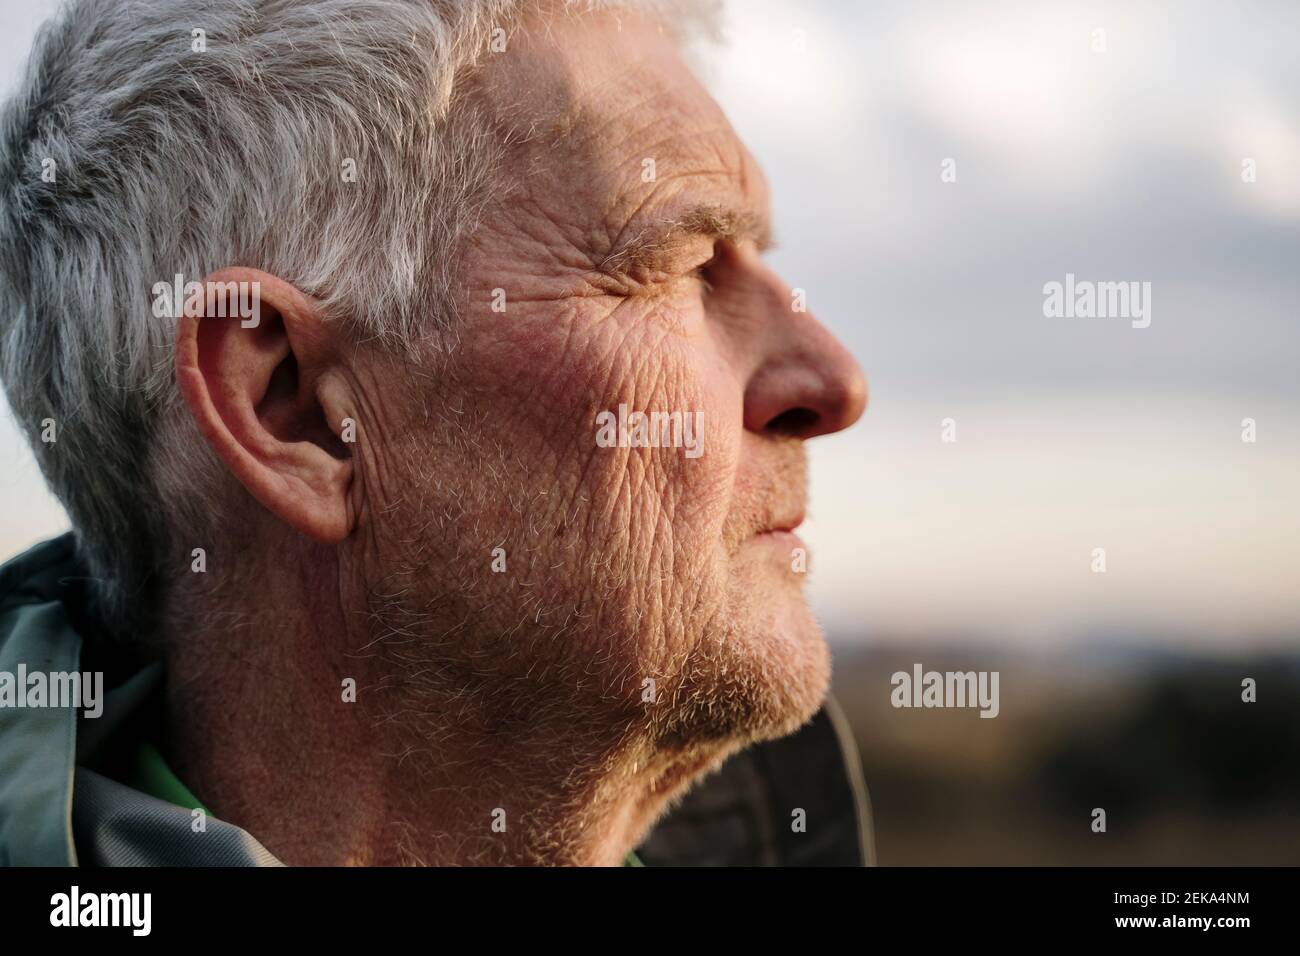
point(251, 380)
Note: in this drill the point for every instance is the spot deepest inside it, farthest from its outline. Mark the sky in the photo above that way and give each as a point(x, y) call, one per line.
point(1114, 156)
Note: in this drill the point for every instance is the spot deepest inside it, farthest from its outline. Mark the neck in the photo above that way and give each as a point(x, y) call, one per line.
point(333, 745)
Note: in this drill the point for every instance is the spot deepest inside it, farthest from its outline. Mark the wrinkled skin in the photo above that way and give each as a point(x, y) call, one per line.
point(648, 622)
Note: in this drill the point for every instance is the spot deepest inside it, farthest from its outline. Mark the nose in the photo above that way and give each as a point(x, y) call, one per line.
point(806, 383)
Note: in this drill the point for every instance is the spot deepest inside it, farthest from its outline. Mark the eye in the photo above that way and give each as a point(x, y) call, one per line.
point(704, 273)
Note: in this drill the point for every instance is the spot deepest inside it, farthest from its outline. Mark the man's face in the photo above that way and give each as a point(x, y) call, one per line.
point(620, 264)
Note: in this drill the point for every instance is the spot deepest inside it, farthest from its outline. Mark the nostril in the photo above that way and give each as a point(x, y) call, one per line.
point(794, 421)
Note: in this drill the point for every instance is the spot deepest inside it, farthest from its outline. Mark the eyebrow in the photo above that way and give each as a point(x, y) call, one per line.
point(646, 248)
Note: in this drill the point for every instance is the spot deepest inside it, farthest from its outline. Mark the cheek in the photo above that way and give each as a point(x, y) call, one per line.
point(663, 438)
point(626, 519)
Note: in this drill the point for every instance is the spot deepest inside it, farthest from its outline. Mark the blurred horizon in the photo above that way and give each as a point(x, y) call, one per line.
point(1072, 434)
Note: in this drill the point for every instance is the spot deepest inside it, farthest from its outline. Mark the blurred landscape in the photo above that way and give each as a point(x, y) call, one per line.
point(1187, 772)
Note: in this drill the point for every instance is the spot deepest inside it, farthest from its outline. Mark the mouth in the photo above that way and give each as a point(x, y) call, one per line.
point(785, 525)
point(783, 529)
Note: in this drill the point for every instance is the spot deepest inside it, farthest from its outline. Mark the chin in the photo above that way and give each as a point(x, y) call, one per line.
point(796, 663)
point(762, 673)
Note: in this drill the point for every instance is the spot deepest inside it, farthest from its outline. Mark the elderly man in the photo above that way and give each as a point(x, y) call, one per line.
point(447, 515)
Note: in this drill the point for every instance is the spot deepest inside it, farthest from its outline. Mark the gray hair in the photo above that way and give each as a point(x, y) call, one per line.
point(129, 155)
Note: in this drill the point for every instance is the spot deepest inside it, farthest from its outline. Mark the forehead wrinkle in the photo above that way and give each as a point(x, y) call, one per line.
point(604, 124)
point(737, 209)
point(567, 97)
